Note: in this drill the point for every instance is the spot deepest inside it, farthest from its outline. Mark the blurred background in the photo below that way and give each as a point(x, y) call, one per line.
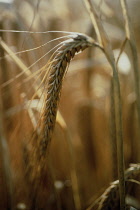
point(82, 157)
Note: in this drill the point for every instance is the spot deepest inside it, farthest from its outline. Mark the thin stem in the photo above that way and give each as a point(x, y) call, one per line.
point(107, 49)
point(121, 50)
point(132, 43)
point(120, 146)
point(6, 168)
point(93, 17)
point(113, 132)
point(8, 195)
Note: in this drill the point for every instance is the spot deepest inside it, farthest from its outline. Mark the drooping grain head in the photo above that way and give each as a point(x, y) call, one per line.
point(110, 198)
point(60, 62)
point(57, 69)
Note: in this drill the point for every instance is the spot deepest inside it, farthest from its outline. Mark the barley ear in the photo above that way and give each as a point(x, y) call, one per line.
point(110, 198)
point(60, 62)
point(57, 69)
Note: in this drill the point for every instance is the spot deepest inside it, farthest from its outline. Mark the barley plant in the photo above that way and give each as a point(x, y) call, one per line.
point(69, 105)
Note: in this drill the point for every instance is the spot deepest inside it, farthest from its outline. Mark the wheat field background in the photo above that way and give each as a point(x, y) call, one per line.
point(56, 58)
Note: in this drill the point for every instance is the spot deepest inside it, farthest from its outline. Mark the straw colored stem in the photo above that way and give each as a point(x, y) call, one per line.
point(8, 196)
point(113, 133)
point(104, 42)
point(120, 146)
point(132, 43)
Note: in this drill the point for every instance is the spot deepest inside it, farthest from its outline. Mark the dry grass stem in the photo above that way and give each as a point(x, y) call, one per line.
point(131, 39)
point(6, 167)
point(102, 38)
point(113, 132)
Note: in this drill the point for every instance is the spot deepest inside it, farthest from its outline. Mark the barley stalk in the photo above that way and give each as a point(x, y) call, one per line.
point(61, 60)
point(131, 40)
point(58, 66)
point(107, 49)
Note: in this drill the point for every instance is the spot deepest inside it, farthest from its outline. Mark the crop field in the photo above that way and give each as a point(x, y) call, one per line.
point(69, 104)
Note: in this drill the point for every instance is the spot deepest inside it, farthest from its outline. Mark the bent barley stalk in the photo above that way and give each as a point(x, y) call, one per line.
point(61, 60)
point(57, 68)
point(110, 198)
point(37, 157)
